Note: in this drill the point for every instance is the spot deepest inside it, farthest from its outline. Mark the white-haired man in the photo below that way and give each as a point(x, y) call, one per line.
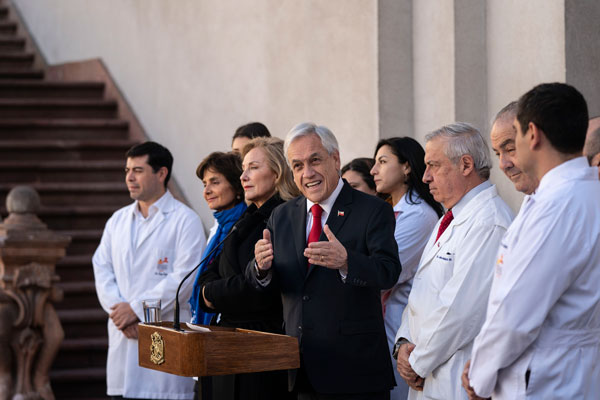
point(446, 306)
point(330, 252)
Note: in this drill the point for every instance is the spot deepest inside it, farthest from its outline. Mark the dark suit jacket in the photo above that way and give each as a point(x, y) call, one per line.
point(339, 324)
point(238, 302)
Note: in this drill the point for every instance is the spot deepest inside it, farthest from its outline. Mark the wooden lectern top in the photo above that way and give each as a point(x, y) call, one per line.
point(221, 351)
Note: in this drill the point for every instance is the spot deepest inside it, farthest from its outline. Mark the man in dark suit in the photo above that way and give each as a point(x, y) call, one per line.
point(330, 252)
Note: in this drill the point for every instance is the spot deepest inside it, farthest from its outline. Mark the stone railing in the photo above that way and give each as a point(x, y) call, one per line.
point(30, 331)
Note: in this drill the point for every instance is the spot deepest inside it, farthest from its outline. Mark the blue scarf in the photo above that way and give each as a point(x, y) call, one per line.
point(225, 220)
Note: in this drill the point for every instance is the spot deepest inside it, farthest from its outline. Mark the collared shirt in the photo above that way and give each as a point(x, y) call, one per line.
point(458, 207)
point(326, 205)
point(141, 224)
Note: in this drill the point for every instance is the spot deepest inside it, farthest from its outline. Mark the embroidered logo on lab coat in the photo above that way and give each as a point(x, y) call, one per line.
point(162, 267)
point(499, 265)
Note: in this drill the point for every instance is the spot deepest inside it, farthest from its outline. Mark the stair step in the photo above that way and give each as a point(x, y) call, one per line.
point(3, 12)
point(76, 267)
point(79, 323)
point(16, 60)
point(63, 129)
point(75, 217)
point(26, 172)
point(64, 149)
point(79, 383)
point(50, 89)
point(78, 374)
point(85, 352)
point(57, 108)
point(83, 243)
point(78, 294)
point(26, 73)
point(8, 28)
point(113, 194)
point(11, 44)
point(85, 343)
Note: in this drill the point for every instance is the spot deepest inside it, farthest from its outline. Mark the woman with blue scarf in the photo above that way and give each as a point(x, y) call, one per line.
point(223, 192)
point(267, 182)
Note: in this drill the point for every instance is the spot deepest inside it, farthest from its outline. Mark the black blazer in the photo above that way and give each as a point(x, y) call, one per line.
point(339, 324)
point(232, 295)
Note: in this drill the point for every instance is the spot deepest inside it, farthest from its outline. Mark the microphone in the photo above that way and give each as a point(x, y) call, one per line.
point(176, 324)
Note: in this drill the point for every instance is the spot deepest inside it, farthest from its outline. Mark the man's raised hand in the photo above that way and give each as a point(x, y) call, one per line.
point(263, 251)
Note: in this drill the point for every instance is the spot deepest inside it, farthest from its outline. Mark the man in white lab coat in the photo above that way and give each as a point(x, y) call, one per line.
point(145, 251)
point(541, 337)
point(446, 306)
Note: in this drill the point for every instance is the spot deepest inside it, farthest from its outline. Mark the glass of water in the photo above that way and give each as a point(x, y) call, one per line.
point(151, 311)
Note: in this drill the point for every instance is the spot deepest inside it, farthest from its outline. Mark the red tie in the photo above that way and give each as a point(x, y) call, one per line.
point(315, 230)
point(448, 217)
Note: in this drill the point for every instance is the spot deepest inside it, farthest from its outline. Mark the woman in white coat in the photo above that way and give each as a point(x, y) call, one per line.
point(398, 172)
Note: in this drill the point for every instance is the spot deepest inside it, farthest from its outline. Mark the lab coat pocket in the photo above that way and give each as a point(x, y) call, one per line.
point(164, 259)
point(444, 261)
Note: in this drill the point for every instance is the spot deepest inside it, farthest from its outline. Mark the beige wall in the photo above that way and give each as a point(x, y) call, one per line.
point(525, 47)
point(194, 70)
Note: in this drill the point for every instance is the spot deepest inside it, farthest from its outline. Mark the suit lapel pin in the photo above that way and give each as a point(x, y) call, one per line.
point(340, 213)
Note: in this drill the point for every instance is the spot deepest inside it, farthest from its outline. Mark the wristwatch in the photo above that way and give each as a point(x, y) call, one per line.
point(397, 345)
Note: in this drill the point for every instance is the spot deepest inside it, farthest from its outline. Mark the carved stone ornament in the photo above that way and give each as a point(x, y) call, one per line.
point(157, 349)
point(30, 331)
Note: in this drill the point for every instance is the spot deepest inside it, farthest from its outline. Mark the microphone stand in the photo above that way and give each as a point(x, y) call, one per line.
point(176, 324)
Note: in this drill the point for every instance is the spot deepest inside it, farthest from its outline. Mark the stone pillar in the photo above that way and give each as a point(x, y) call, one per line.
point(30, 332)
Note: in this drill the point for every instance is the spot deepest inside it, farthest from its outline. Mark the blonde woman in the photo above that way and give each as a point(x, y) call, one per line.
point(267, 182)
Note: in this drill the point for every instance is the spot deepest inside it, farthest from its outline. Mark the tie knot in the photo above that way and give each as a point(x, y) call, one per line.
point(316, 211)
point(448, 216)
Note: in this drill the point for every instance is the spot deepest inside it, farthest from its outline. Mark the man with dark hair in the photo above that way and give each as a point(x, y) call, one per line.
point(592, 143)
point(246, 133)
point(541, 336)
point(145, 251)
point(158, 157)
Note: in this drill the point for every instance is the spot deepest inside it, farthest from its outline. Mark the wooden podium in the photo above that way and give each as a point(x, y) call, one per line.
point(221, 351)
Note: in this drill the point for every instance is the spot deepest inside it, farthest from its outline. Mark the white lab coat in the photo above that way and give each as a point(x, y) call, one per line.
point(544, 307)
point(414, 224)
point(447, 304)
point(169, 248)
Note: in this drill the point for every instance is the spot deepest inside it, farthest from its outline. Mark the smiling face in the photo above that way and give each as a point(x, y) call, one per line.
point(218, 192)
point(389, 174)
point(316, 172)
point(502, 137)
point(143, 183)
point(446, 183)
point(258, 179)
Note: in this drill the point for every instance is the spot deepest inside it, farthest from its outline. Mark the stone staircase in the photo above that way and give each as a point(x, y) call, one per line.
point(67, 141)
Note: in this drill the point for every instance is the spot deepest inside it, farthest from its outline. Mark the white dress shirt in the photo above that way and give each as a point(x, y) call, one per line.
point(543, 313)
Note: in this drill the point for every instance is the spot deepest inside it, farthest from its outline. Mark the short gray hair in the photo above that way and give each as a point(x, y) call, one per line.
point(465, 139)
point(508, 112)
point(328, 140)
